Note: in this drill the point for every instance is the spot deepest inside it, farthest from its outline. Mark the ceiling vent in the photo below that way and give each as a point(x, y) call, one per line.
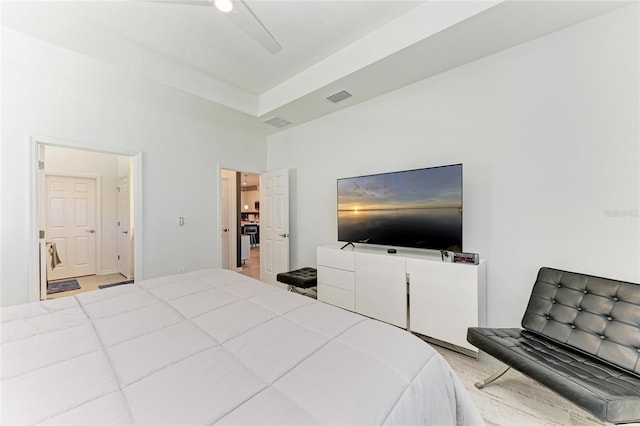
point(277, 122)
point(340, 96)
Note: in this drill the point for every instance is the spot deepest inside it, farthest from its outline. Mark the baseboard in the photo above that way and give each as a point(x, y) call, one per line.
point(108, 272)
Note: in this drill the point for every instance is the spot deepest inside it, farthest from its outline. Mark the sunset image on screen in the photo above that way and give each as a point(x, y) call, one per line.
point(415, 208)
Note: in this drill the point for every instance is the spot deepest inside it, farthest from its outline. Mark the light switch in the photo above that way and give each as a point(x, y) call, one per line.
point(181, 221)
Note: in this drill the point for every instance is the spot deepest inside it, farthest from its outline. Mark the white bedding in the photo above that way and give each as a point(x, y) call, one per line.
point(214, 346)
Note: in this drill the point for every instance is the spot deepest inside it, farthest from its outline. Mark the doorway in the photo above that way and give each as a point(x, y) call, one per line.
point(86, 211)
point(240, 221)
point(250, 224)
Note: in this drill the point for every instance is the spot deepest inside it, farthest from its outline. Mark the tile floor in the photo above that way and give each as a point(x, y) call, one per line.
point(514, 399)
point(89, 283)
point(251, 267)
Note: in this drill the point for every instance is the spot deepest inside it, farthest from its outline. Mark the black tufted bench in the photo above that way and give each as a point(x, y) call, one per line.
point(300, 278)
point(580, 337)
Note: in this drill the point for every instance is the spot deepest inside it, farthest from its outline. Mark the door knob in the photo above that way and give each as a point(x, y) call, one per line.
point(91, 231)
point(285, 235)
point(225, 230)
point(125, 232)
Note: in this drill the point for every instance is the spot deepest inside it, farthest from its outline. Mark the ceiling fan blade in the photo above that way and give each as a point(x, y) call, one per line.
point(187, 2)
point(244, 17)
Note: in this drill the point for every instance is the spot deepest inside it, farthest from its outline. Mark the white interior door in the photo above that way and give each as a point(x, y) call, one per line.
point(274, 224)
point(125, 233)
point(225, 234)
point(71, 224)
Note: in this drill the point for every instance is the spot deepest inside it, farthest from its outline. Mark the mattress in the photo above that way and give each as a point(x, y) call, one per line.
point(215, 346)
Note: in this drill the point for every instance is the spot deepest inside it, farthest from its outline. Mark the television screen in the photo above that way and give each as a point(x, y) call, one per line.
point(414, 208)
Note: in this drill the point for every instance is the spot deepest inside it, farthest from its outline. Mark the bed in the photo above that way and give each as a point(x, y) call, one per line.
point(215, 346)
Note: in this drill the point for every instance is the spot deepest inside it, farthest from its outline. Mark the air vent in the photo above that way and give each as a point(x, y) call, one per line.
point(249, 188)
point(340, 96)
point(277, 122)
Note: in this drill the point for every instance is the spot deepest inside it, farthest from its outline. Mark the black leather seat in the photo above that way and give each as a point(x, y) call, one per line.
point(580, 338)
point(302, 278)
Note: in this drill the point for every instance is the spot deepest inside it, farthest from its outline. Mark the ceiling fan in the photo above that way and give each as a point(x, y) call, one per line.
point(240, 13)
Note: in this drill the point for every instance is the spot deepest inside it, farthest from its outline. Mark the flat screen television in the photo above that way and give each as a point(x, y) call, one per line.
point(414, 208)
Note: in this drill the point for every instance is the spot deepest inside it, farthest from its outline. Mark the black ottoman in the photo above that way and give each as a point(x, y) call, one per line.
point(303, 278)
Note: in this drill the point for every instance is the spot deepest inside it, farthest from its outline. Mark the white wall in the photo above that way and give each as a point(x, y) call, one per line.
point(548, 134)
point(47, 90)
point(62, 160)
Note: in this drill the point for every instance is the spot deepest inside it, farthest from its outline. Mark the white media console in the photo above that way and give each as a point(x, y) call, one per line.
point(409, 289)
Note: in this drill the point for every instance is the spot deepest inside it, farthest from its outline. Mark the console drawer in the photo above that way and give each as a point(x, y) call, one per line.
point(336, 296)
point(336, 278)
point(336, 258)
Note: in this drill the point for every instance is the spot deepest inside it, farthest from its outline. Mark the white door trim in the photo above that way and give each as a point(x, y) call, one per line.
point(128, 272)
point(98, 226)
point(226, 211)
point(34, 142)
point(233, 228)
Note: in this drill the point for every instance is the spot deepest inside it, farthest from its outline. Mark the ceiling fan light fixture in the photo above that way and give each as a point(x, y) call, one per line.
point(224, 6)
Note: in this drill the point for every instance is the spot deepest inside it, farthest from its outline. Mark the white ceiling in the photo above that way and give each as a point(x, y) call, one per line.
point(367, 47)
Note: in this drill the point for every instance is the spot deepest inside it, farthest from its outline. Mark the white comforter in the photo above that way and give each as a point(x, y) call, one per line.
point(214, 346)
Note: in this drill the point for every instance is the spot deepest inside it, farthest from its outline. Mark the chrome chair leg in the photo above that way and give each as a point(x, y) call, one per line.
point(492, 378)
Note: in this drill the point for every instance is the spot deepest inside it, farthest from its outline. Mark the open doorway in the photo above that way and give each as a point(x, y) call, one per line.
point(87, 214)
point(240, 222)
point(250, 224)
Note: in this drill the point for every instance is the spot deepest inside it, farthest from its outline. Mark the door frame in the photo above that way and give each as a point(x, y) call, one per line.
point(233, 260)
point(233, 228)
point(98, 218)
point(130, 271)
point(230, 209)
point(36, 189)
